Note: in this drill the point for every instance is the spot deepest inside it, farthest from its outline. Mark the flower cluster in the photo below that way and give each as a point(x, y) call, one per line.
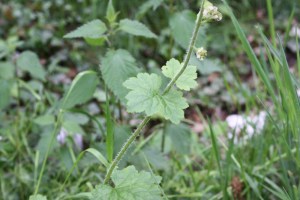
point(201, 53)
point(245, 127)
point(212, 13)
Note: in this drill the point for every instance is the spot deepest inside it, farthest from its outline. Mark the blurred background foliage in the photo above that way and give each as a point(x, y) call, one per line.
point(183, 154)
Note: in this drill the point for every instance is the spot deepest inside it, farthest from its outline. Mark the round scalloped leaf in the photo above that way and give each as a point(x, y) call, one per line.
point(145, 96)
point(129, 184)
point(186, 81)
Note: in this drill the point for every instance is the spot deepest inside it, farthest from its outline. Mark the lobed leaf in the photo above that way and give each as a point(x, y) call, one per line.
point(145, 96)
point(129, 184)
point(187, 79)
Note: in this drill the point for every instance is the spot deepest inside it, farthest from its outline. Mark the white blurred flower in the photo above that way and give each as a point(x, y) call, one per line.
point(201, 53)
point(248, 125)
point(78, 140)
point(295, 31)
point(298, 92)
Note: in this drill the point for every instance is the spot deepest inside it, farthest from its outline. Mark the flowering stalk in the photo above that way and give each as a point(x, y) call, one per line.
point(190, 50)
point(165, 91)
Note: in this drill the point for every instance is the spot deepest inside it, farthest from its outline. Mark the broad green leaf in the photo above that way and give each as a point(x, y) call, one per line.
point(72, 127)
point(145, 7)
point(129, 184)
point(182, 26)
point(95, 41)
point(81, 90)
point(156, 158)
point(4, 93)
point(180, 136)
point(93, 29)
point(37, 197)
point(207, 66)
point(77, 117)
point(136, 28)
point(145, 96)
point(187, 79)
point(7, 70)
point(29, 62)
point(44, 120)
point(116, 67)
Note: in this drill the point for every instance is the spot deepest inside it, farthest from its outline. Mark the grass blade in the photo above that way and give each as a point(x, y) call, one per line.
point(271, 22)
point(95, 153)
point(250, 53)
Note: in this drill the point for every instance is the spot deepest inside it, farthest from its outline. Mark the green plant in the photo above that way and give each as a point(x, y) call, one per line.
point(59, 137)
point(143, 94)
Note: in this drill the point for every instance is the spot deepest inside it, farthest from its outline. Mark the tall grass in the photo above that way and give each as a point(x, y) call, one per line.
point(270, 163)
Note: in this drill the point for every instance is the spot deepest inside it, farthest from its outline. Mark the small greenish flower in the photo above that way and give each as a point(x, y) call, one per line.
point(201, 53)
point(211, 12)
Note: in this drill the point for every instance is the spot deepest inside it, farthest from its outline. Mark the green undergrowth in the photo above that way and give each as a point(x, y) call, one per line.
point(86, 137)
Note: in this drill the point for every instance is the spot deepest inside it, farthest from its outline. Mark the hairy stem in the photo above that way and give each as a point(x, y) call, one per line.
point(189, 51)
point(124, 148)
point(166, 90)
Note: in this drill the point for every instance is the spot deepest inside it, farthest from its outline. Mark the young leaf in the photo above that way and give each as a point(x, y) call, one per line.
point(37, 197)
point(81, 90)
point(187, 79)
point(182, 26)
point(111, 14)
point(95, 41)
point(145, 97)
point(29, 61)
point(92, 29)
point(117, 66)
point(136, 28)
point(129, 184)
